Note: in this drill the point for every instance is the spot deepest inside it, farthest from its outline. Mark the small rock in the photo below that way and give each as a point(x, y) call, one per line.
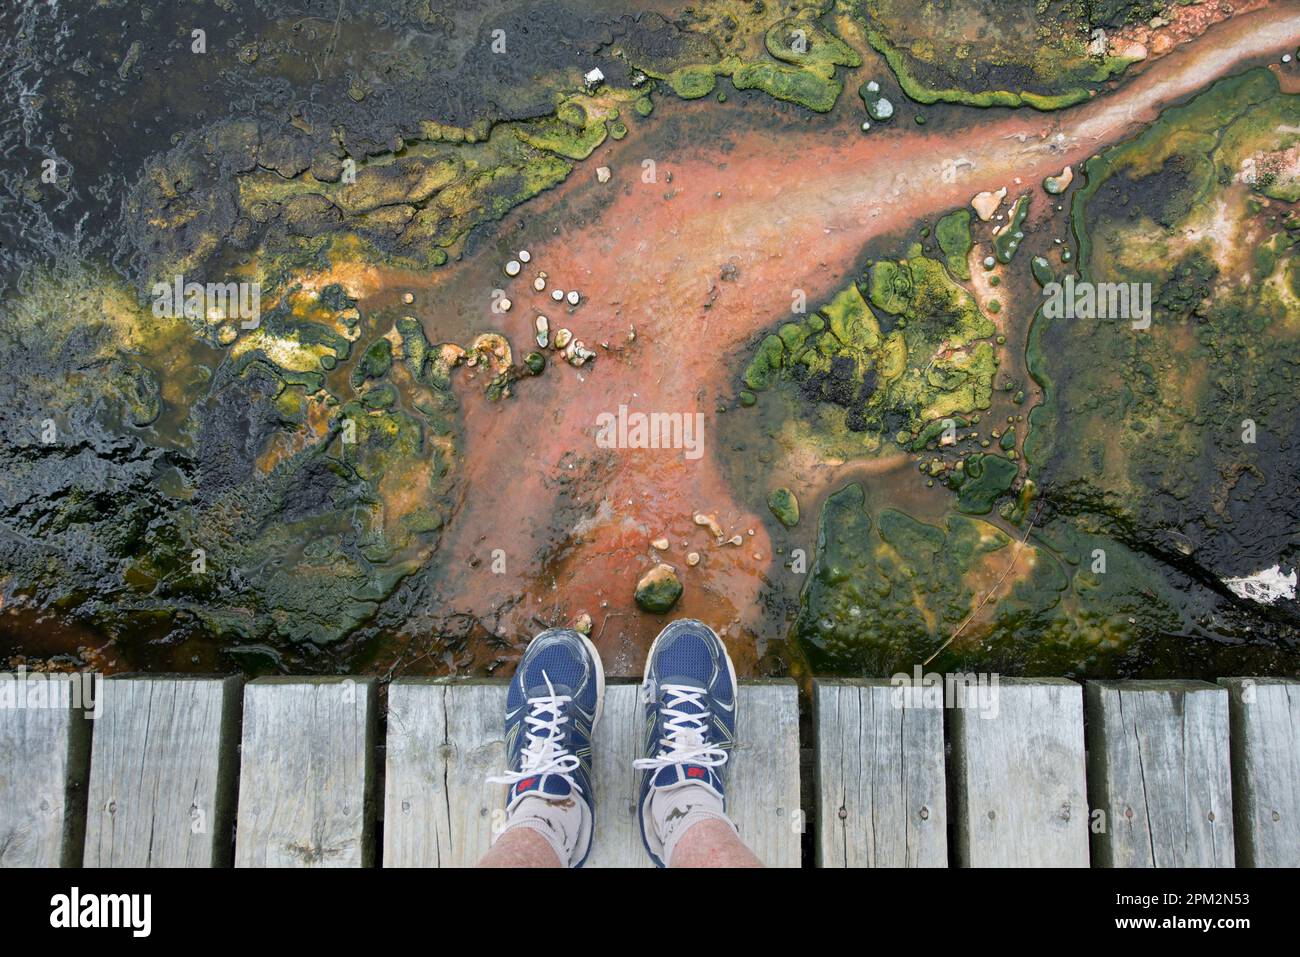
point(785, 506)
point(512, 268)
point(986, 204)
point(543, 326)
point(712, 522)
point(602, 174)
point(660, 543)
point(563, 338)
point(540, 282)
point(505, 304)
point(408, 298)
point(693, 559)
point(573, 298)
point(557, 294)
point(658, 589)
point(593, 78)
point(880, 109)
point(525, 255)
point(583, 624)
point(1056, 185)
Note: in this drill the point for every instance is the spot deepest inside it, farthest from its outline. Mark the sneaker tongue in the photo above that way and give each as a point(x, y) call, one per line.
point(547, 785)
point(678, 775)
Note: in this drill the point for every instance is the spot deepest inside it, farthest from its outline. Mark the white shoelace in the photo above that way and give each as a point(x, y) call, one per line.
point(544, 751)
point(684, 742)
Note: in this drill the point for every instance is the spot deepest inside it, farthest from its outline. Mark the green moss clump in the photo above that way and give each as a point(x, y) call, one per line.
point(804, 87)
point(692, 82)
point(866, 369)
point(1007, 242)
point(374, 363)
point(953, 235)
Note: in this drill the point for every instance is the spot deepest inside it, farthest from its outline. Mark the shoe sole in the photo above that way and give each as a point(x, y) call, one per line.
point(731, 669)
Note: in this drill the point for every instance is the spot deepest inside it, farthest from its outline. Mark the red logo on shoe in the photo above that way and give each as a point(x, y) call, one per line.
point(525, 784)
point(695, 772)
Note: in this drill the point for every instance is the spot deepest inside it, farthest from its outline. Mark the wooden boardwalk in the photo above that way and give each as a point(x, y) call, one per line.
point(313, 772)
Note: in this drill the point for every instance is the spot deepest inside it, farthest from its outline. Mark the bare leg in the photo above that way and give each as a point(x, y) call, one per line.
point(712, 844)
point(520, 847)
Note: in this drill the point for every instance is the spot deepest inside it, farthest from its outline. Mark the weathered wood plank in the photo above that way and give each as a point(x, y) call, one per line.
point(445, 738)
point(162, 773)
point(1158, 766)
point(1264, 722)
point(44, 756)
point(763, 784)
point(881, 797)
point(307, 773)
point(1017, 778)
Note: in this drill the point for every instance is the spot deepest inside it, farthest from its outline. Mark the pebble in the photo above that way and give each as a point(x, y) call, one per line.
point(408, 298)
point(573, 298)
point(986, 203)
point(543, 327)
point(540, 282)
point(693, 559)
point(505, 304)
point(512, 268)
point(712, 523)
point(660, 543)
point(583, 624)
point(658, 589)
point(563, 338)
point(525, 256)
point(602, 174)
point(557, 294)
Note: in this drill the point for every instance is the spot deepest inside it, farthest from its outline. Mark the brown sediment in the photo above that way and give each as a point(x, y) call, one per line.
point(786, 213)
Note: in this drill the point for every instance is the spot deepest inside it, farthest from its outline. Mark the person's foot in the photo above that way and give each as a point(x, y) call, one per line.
point(690, 699)
point(552, 707)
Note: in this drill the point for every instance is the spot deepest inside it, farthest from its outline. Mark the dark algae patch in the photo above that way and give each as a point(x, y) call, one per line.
point(1176, 445)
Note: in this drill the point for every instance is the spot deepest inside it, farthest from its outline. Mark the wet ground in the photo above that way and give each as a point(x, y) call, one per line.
point(753, 205)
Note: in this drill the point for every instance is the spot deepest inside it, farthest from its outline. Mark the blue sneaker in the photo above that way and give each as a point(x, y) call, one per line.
point(690, 710)
point(552, 707)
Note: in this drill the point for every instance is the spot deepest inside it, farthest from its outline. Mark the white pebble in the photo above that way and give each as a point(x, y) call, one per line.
point(557, 294)
point(539, 283)
point(573, 298)
point(512, 268)
point(525, 255)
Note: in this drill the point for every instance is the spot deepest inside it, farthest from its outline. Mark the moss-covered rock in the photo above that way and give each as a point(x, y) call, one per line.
point(658, 589)
point(785, 506)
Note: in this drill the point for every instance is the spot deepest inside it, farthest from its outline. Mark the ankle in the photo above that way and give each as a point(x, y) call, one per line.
point(564, 823)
